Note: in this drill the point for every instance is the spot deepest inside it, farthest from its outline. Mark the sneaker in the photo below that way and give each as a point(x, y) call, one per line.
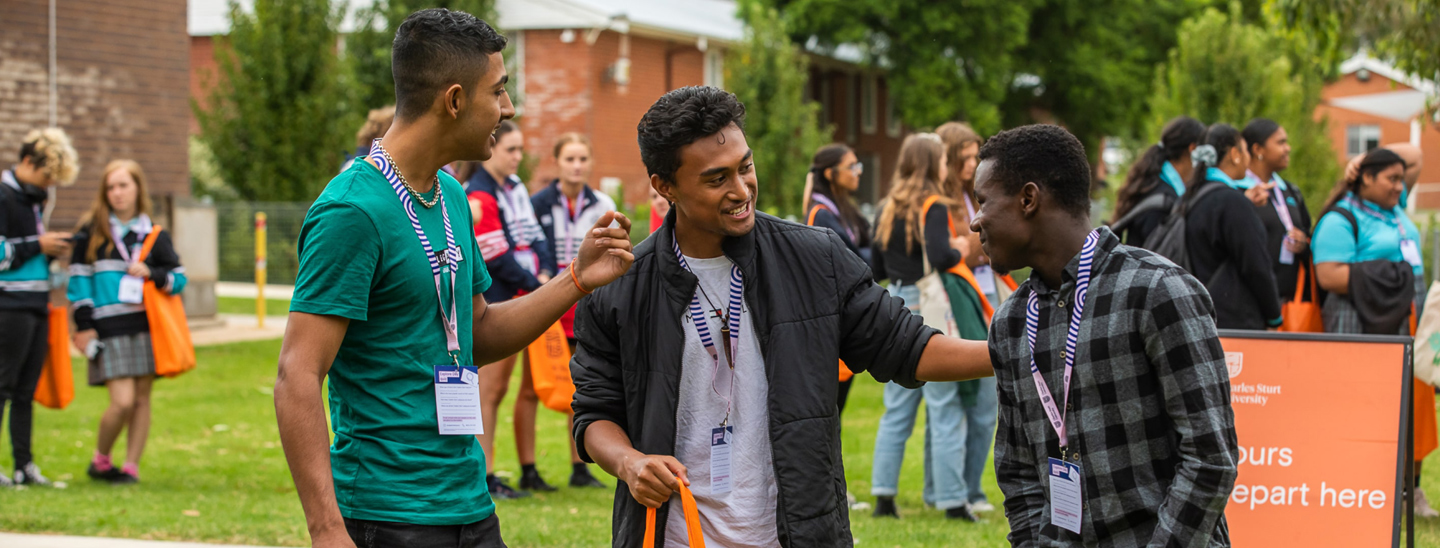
point(500, 490)
point(531, 481)
point(982, 506)
point(580, 480)
point(30, 475)
point(885, 508)
point(961, 512)
point(1422, 505)
point(109, 475)
point(125, 478)
point(5, 482)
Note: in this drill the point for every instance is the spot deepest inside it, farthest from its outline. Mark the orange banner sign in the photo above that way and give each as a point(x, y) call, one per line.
point(1321, 421)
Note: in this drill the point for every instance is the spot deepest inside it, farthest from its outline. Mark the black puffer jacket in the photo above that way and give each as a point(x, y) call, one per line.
point(814, 303)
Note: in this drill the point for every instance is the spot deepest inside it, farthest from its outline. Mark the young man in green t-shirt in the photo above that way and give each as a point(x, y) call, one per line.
point(388, 306)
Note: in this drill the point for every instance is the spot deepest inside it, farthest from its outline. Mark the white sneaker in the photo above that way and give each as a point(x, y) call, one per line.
point(982, 506)
point(30, 475)
point(5, 481)
point(1422, 505)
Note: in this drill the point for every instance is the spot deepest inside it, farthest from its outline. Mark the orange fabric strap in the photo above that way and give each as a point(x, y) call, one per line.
point(692, 521)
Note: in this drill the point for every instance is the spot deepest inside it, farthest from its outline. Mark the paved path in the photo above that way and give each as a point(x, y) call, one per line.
point(247, 290)
point(236, 328)
point(10, 540)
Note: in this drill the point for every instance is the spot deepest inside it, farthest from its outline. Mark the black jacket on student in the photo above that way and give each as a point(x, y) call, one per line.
point(1228, 254)
point(1285, 274)
point(814, 303)
point(907, 266)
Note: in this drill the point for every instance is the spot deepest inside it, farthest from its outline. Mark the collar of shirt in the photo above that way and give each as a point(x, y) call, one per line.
point(8, 178)
point(1252, 179)
point(1215, 174)
point(139, 224)
point(1170, 176)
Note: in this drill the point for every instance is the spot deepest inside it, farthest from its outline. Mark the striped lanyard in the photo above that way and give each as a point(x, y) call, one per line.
point(729, 324)
point(1359, 204)
point(439, 262)
point(1032, 322)
point(827, 203)
point(117, 233)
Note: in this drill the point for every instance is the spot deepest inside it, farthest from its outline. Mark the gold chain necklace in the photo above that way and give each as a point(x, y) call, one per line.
point(407, 186)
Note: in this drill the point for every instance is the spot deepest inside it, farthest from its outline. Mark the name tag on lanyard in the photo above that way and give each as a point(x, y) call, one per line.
point(132, 289)
point(457, 400)
point(722, 441)
point(1411, 251)
point(1065, 497)
point(985, 276)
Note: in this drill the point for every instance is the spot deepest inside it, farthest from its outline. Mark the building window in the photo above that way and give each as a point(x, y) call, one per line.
point(827, 101)
point(715, 68)
point(1360, 139)
point(868, 106)
point(852, 106)
point(892, 119)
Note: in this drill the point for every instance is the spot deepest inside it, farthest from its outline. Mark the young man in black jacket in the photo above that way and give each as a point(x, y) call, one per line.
point(712, 362)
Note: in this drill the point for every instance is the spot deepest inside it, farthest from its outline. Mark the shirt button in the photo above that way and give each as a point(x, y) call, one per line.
point(1060, 303)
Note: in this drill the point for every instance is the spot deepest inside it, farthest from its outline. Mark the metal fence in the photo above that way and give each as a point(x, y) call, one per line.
point(236, 229)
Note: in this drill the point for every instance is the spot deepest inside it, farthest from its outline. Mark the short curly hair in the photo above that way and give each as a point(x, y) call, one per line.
point(50, 150)
point(681, 117)
point(1043, 154)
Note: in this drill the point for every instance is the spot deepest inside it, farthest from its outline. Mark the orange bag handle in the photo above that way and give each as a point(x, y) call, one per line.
point(959, 269)
point(692, 521)
point(810, 220)
point(1300, 286)
point(149, 243)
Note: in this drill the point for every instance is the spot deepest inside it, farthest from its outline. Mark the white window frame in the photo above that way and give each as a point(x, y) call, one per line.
point(893, 127)
point(869, 108)
point(1358, 135)
point(715, 68)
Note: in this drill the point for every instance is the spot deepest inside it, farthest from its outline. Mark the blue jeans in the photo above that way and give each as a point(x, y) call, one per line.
point(981, 413)
point(944, 434)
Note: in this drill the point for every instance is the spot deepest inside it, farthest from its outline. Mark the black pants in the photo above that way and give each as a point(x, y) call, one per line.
point(385, 534)
point(24, 340)
point(844, 394)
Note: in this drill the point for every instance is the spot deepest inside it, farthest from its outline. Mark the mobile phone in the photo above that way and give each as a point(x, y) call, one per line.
point(93, 349)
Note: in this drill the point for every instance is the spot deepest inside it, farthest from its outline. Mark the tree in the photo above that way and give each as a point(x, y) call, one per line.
point(369, 46)
point(278, 117)
point(946, 59)
point(768, 73)
point(1226, 70)
point(1401, 30)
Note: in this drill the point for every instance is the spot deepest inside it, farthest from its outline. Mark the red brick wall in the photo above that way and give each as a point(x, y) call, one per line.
point(567, 89)
point(880, 143)
point(203, 74)
point(123, 88)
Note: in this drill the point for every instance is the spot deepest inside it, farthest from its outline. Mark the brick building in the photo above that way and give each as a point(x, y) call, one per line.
point(121, 89)
point(1371, 105)
point(595, 66)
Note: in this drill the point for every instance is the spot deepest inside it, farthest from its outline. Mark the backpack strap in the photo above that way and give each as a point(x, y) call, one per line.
point(1349, 216)
point(1150, 203)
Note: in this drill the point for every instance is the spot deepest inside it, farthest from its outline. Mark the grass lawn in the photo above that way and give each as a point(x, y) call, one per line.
point(214, 472)
point(241, 305)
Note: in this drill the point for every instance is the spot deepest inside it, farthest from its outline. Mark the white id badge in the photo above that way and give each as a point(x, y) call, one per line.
point(1286, 256)
point(721, 440)
point(457, 400)
point(1065, 500)
point(132, 289)
point(985, 276)
point(1411, 251)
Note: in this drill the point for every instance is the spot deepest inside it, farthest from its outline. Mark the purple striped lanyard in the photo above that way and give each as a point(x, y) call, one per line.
point(1032, 321)
point(729, 327)
point(834, 210)
point(439, 262)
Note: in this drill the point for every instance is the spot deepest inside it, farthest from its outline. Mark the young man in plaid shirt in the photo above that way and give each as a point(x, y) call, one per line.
point(1115, 419)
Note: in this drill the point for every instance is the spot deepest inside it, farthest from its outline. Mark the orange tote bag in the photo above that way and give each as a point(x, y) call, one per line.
point(169, 332)
point(1300, 316)
point(692, 521)
point(550, 369)
point(57, 381)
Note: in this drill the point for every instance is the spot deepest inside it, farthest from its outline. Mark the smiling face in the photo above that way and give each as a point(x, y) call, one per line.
point(1384, 187)
point(479, 112)
point(1002, 219)
point(121, 192)
point(715, 185)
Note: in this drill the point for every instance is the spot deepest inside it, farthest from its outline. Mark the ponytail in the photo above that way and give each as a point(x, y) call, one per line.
point(1175, 141)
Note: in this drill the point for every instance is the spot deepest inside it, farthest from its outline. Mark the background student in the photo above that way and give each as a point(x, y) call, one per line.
point(46, 160)
point(105, 260)
point(1284, 214)
point(567, 208)
point(1158, 180)
point(911, 242)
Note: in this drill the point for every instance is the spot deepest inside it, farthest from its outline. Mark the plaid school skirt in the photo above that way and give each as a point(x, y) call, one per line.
point(124, 356)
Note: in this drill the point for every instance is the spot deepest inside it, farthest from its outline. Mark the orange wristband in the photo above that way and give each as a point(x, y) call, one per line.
point(577, 280)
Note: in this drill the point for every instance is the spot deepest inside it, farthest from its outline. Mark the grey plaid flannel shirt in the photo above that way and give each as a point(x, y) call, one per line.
point(1150, 407)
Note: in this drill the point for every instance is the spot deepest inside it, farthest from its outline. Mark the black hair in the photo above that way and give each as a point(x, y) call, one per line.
point(1223, 137)
point(1373, 163)
point(1258, 131)
point(681, 117)
point(434, 49)
point(828, 157)
point(506, 127)
point(1043, 154)
point(27, 150)
point(1179, 135)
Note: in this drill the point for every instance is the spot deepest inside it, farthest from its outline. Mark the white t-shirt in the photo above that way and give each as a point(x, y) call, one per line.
point(745, 516)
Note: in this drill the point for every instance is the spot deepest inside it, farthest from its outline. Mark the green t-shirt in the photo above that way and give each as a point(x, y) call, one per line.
point(360, 259)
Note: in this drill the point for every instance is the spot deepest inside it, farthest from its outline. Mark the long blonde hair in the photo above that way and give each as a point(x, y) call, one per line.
point(957, 136)
point(918, 177)
point(98, 219)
